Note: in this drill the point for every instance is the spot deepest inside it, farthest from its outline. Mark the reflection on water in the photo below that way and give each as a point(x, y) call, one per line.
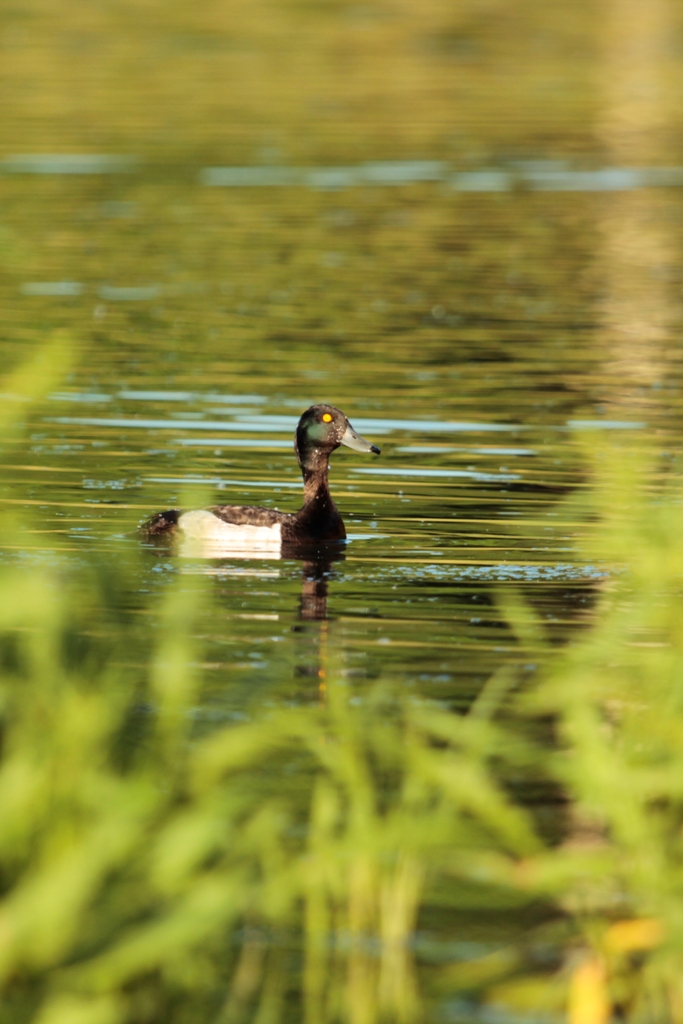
point(314, 590)
point(535, 175)
point(68, 163)
point(387, 173)
point(309, 648)
point(539, 175)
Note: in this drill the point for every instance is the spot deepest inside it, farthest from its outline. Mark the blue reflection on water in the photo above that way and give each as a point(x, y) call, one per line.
point(470, 474)
point(536, 176)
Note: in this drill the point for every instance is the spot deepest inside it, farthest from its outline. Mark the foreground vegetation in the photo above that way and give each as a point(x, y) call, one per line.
point(287, 868)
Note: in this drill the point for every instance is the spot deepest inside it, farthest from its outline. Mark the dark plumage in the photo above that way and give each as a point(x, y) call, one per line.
point(321, 430)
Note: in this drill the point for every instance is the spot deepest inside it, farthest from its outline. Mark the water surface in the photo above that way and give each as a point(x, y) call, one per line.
point(461, 226)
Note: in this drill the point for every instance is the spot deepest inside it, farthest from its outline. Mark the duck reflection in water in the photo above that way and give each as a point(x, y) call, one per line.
point(313, 655)
point(316, 569)
point(315, 577)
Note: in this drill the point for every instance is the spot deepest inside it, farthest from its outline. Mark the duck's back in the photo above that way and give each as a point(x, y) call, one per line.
point(248, 515)
point(175, 519)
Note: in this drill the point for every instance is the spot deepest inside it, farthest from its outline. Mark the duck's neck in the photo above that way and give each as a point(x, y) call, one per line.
point(316, 487)
point(319, 512)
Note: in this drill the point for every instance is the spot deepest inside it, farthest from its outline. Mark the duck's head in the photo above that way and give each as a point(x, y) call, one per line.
point(321, 429)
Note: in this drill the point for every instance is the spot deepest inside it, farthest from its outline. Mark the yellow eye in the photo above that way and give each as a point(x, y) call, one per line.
point(327, 418)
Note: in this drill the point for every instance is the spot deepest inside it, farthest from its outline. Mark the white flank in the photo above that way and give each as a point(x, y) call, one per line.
point(215, 537)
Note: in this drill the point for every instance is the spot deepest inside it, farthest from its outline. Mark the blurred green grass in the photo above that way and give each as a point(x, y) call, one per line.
point(288, 868)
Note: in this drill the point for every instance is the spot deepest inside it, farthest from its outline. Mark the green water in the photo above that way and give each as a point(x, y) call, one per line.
point(478, 335)
point(267, 303)
point(455, 331)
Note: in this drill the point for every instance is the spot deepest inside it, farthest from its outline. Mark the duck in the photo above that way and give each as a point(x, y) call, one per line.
point(320, 431)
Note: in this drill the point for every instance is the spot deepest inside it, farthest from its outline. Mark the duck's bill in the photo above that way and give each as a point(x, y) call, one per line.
point(353, 440)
